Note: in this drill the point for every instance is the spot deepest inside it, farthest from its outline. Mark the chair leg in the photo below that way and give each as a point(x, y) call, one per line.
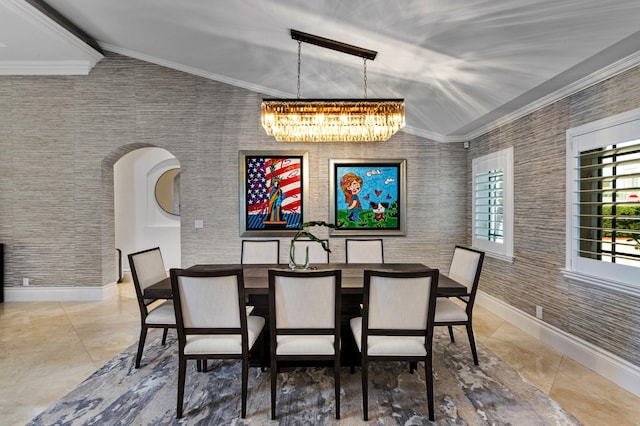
point(451, 334)
point(336, 379)
point(472, 342)
point(265, 351)
point(274, 369)
point(143, 337)
point(164, 335)
point(365, 389)
point(428, 370)
point(182, 370)
point(245, 379)
point(204, 366)
point(199, 365)
point(413, 366)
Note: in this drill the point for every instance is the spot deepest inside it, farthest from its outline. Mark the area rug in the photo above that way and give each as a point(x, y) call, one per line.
point(489, 394)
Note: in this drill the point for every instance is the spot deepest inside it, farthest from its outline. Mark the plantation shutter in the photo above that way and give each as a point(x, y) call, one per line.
point(608, 204)
point(489, 204)
point(492, 201)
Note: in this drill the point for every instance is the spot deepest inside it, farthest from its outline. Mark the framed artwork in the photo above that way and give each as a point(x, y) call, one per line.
point(368, 197)
point(273, 192)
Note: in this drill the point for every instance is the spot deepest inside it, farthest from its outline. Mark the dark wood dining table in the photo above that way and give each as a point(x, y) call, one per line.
point(256, 281)
point(256, 285)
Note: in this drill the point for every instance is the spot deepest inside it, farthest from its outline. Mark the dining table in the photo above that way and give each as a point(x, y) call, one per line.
point(256, 289)
point(256, 278)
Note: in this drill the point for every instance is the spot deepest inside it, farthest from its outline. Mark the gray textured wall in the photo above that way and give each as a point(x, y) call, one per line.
point(60, 137)
point(606, 318)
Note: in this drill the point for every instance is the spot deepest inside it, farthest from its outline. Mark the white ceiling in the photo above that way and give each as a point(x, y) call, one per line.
point(463, 67)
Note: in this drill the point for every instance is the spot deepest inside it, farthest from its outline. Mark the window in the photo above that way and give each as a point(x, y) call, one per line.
point(603, 185)
point(492, 199)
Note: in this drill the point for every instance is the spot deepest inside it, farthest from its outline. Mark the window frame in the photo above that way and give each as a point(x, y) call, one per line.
point(608, 131)
point(499, 160)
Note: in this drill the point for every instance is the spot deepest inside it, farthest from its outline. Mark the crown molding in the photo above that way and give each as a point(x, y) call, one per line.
point(41, 15)
point(588, 81)
point(45, 67)
point(605, 73)
point(436, 137)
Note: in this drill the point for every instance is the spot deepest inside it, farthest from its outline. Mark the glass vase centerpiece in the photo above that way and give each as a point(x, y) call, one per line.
point(304, 232)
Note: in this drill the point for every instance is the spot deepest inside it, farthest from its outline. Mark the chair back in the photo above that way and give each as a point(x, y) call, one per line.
point(317, 254)
point(147, 268)
point(304, 315)
point(304, 300)
point(399, 300)
point(397, 323)
point(465, 268)
point(209, 302)
point(364, 250)
point(260, 252)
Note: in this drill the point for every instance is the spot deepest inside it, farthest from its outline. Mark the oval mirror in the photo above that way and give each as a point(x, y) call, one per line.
point(168, 191)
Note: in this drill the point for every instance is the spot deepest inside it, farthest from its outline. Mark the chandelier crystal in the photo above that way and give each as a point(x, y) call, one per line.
point(332, 120)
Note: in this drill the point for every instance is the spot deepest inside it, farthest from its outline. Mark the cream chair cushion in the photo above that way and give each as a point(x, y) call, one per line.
point(388, 345)
point(162, 314)
point(449, 311)
point(304, 345)
point(224, 344)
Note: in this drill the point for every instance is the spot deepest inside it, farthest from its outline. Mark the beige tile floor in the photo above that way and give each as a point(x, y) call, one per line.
point(48, 348)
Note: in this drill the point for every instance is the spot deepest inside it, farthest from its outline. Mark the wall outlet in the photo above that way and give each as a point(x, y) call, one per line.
point(538, 311)
point(25, 282)
point(199, 223)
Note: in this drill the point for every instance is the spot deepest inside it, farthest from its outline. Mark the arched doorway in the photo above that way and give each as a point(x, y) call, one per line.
point(140, 222)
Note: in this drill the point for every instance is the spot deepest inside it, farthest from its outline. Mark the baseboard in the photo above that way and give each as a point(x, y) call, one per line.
point(60, 294)
point(622, 372)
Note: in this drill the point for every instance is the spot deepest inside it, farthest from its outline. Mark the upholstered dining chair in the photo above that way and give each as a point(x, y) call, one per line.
point(260, 251)
point(147, 268)
point(317, 254)
point(304, 315)
point(396, 323)
point(465, 268)
point(364, 250)
point(212, 322)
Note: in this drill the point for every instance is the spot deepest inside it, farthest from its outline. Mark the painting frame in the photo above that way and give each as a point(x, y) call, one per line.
point(257, 217)
point(381, 197)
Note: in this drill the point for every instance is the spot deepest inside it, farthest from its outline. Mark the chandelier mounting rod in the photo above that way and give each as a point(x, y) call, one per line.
point(333, 45)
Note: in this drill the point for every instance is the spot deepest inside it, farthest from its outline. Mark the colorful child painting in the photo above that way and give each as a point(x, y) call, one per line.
point(367, 196)
point(351, 185)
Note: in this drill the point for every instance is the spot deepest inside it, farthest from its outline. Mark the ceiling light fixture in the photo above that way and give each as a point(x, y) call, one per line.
point(332, 120)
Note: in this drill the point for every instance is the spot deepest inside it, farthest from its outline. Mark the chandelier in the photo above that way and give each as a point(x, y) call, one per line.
point(332, 120)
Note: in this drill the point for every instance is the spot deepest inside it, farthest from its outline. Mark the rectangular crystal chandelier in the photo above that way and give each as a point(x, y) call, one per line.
point(332, 120)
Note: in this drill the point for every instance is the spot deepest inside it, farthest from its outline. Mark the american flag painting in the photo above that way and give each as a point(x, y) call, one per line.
point(274, 192)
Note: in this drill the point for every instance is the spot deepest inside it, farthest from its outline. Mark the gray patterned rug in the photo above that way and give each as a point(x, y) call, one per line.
point(491, 393)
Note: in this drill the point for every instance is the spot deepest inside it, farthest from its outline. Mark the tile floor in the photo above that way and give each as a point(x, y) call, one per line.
point(47, 348)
